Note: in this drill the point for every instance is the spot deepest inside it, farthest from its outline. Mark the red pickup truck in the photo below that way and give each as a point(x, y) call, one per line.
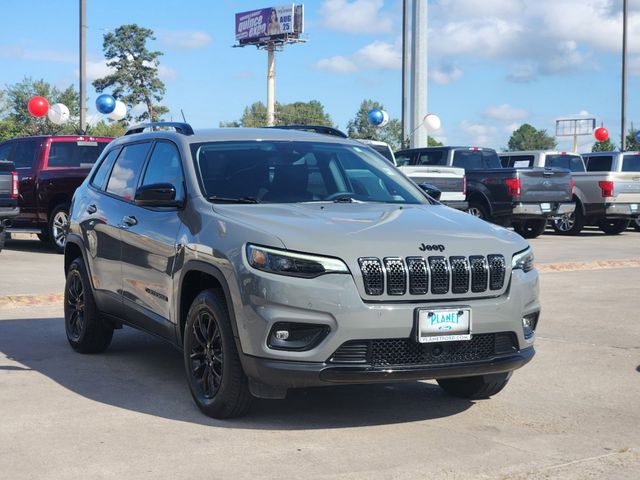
point(50, 168)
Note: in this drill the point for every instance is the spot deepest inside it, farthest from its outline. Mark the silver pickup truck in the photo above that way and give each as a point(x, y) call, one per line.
point(607, 191)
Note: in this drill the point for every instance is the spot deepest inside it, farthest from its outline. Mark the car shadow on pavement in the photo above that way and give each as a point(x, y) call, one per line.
point(28, 245)
point(144, 374)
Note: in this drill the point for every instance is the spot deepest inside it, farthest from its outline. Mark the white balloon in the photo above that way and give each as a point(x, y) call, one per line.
point(58, 113)
point(432, 121)
point(385, 118)
point(119, 112)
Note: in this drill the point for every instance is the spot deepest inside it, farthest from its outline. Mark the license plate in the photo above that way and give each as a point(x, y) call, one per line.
point(444, 325)
point(634, 207)
point(546, 207)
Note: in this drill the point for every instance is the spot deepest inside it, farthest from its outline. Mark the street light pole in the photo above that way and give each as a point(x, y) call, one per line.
point(623, 120)
point(405, 71)
point(83, 66)
point(418, 135)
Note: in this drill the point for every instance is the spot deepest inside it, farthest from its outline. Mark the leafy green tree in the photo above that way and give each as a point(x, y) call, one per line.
point(297, 113)
point(528, 138)
point(15, 119)
point(110, 129)
point(606, 146)
point(432, 142)
point(135, 70)
point(632, 144)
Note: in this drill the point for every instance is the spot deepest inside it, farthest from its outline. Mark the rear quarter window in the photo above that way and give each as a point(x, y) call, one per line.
point(571, 162)
point(599, 164)
point(631, 163)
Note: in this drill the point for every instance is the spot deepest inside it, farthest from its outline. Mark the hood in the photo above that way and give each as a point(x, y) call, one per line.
point(352, 230)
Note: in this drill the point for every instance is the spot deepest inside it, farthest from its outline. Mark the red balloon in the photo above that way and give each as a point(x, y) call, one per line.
point(601, 134)
point(38, 106)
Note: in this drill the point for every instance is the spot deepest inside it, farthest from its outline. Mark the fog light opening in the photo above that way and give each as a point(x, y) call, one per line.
point(529, 324)
point(296, 336)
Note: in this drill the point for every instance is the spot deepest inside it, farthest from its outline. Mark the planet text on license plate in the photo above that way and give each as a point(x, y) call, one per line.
point(444, 324)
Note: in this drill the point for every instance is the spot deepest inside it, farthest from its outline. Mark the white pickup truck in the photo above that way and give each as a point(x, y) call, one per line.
point(607, 190)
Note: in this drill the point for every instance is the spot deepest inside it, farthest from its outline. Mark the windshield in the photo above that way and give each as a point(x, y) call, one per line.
point(631, 163)
point(562, 160)
point(291, 172)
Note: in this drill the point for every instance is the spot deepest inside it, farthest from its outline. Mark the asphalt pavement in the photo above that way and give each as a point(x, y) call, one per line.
point(572, 413)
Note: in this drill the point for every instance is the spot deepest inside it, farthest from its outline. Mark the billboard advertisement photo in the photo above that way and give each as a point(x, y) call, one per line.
point(264, 24)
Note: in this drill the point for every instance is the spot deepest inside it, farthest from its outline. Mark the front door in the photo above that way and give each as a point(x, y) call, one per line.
point(149, 237)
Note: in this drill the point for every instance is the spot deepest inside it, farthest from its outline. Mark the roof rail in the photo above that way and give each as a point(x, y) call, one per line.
point(180, 127)
point(314, 128)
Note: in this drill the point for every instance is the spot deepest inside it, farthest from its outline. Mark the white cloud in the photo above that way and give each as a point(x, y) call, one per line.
point(634, 65)
point(337, 64)
point(522, 73)
point(97, 69)
point(167, 73)
point(186, 39)
point(378, 55)
point(358, 16)
point(506, 112)
point(510, 128)
point(445, 74)
point(478, 133)
point(43, 55)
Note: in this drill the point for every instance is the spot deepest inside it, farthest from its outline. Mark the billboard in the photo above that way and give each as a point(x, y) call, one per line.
point(269, 24)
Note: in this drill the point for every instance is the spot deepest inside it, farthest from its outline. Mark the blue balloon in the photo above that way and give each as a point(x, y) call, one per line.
point(638, 136)
point(375, 117)
point(105, 103)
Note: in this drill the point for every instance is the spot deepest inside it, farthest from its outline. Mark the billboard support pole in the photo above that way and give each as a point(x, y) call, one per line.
point(83, 66)
point(405, 72)
point(418, 74)
point(271, 85)
point(623, 113)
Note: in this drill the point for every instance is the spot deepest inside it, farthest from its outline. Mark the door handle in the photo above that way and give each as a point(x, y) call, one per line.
point(129, 221)
point(92, 209)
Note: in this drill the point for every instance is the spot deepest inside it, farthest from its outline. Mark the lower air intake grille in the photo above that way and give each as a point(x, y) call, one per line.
point(403, 351)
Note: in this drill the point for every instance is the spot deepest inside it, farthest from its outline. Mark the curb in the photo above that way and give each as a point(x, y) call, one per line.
point(19, 301)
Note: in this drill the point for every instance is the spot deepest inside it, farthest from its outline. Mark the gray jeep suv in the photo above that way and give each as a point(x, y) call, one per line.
point(279, 259)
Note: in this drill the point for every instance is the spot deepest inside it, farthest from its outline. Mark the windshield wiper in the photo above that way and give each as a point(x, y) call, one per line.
point(216, 199)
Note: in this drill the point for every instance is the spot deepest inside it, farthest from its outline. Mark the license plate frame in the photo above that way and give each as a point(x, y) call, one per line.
point(443, 328)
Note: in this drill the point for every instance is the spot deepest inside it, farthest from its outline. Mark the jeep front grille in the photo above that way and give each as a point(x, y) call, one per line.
point(437, 275)
point(390, 352)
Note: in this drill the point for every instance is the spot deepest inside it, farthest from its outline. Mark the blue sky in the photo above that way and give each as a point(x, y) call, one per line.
point(493, 64)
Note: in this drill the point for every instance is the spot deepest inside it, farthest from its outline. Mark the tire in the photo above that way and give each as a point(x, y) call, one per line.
point(570, 223)
point(636, 224)
point(216, 379)
point(86, 331)
point(478, 210)
point(57, 226)
point(530, 228)
point(474, 388)
point(614, 227)
point(44, 238)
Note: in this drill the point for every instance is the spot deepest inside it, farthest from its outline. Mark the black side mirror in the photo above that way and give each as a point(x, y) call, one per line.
point(157, 195)
point(431, 190)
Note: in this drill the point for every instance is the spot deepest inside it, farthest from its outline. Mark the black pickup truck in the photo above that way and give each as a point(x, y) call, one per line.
point(50, 168)
point(523, 198)
point(8, 196)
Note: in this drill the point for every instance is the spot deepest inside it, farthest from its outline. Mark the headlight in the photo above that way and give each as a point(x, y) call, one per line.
point(294, 264)
point(523, 260)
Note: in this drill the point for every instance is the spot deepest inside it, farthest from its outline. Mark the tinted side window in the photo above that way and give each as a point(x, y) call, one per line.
point(469, 159)
point(631, 163)
point(432, 158)
point(124, 176)
point(504, 160)
point(104, 168)
point(165, 167)
point(490, 159)
point(24, 154)
point(5, 150)
point(599, 164)
point(403, 160)
point(521, 161)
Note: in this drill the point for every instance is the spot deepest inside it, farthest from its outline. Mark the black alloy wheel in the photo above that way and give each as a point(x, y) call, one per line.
point(207, 354)
point(74, 306)
point(614, 227)
point(531, 228)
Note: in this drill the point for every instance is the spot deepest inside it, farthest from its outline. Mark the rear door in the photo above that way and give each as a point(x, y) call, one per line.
point(149, 246)
point(26, 157)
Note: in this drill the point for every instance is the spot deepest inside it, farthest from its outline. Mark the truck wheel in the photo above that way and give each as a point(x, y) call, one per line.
point(570, 223)
point(86, 331)
point(614, 227)
point(216, 379)
point(636, 224)
point(478, 210)
point(473, 388)
point(44, 237)
point(58, 221)
point(530, 228)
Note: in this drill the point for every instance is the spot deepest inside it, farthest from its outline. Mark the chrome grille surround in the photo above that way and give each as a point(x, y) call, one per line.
point(396, 276)
point(497, 267)
point(418, 275)
point(460, 274)
point(372, 275)
point(440, 274)
point(479, 273)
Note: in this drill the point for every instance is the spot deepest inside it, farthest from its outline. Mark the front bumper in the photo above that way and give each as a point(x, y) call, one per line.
point(543, 209)
point(622, 210)
point(286, 374)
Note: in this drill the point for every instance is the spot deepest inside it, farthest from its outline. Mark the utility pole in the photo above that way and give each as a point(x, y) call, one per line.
point(418, 137)
point(623, 119)
point(83, 66)
point(405, 71)
point(271, 85)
